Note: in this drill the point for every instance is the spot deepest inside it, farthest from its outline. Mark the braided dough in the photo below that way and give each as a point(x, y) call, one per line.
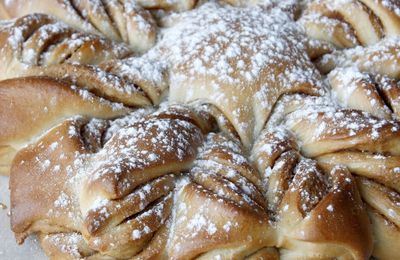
point(117, 20)
point(368, 146)
point(26, 113)
point(268, 67)
point(40, 40)
point(350, 23)
point(246, 130)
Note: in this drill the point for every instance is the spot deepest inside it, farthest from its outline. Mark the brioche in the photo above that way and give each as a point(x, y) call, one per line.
point(377, 95)
point(150, 77)
point(40, 40)
point(38, 45)
point(155, 211)
point(366, 145)
point(214, 74)
point(381, 59)
point(26, 113)
point(350, 23)
point(177, 5)
point(117, 20)
point(95, 205)
point(306, 202)
point(244, 130)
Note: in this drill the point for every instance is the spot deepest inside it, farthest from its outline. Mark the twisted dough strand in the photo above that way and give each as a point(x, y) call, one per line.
point(39, 45)
point(39, 40)
point(26, 113)
point(112, 18)
point(368, 146)
point(86, 203)
point(130, 218)
point(176, 5)
point(377, 95)
point(351, 23)
point(162, 185)
point(303, 198)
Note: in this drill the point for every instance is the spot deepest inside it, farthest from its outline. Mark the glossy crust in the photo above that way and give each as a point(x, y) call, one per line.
point(366, 145)
point(27, 114)
point(347, 24)
point(307, 202)
point(119, 21)
point(41, 40)
point(267, 158)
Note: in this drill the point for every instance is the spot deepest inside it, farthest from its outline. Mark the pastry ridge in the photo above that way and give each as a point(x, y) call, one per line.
point(184, 129)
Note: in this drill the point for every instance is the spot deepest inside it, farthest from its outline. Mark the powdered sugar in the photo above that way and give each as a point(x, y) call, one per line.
point(218, 53)
point(232, 55)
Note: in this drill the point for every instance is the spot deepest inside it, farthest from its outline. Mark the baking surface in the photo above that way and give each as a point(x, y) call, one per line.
point(8, 247)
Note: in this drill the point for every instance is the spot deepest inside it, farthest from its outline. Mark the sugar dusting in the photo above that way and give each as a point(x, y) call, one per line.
point(190, 53)
point(228, 55)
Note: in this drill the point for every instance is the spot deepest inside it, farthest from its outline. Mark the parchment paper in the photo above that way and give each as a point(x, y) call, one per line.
point(9, 249)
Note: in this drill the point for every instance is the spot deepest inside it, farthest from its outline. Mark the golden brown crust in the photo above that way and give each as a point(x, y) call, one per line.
point(179, 5)
point(38, 45)
point(383, 208)
point(367, 146)
point(239, 88)
point(323, 28)
point(113, 19)
point(326, 132)
point(122, 241)
point(40, 40)
point(366, 79)
point(378, 95)
point(26, 112)
point(351, 23)
point(138, 168)
point(130, 205)
point(133, 71)
point(97, 81)
point(55, 204)
point(357, 90)
point(121, 212)
point(175, 181)
point(351, 234)
point(306, 203)
point(380, 168)
point(215, 227)
point(363, 23)
point(376, 59)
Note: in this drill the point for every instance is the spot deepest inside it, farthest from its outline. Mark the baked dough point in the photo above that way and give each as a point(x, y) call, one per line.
point(238, 59)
